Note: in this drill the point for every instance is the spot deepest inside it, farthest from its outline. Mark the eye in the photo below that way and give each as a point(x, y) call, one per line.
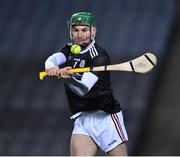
point(84, 29)
point(75, 30)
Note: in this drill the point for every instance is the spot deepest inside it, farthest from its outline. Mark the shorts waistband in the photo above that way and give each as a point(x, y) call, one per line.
point(88, 112)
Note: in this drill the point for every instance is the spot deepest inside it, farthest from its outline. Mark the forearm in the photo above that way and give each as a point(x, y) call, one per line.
point(83, 86)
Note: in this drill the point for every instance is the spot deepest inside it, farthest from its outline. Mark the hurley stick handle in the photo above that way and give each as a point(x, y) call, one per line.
point(75, 70)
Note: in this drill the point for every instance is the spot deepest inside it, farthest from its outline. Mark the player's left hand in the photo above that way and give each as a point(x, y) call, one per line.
point(65, 72)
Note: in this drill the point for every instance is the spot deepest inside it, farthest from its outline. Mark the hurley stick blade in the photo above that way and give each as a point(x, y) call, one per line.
point(144, 63)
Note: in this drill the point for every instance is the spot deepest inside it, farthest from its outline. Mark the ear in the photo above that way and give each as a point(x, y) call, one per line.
point(94, 32)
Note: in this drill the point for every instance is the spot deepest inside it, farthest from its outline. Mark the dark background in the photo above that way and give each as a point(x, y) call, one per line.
point(34, 115)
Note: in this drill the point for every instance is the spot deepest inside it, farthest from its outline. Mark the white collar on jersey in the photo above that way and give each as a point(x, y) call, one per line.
point(88, 47)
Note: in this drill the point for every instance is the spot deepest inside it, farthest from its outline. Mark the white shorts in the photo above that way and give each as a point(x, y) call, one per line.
point(107, 130)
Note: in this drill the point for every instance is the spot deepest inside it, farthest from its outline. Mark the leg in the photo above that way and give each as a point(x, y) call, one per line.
point(120, 150)
point(82, 145)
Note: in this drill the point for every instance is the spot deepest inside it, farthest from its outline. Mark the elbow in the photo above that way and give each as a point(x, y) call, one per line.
point(82, 92)
point(49, 64)
point(77, 87)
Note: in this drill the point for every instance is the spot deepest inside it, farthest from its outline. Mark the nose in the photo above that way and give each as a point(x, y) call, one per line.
point(80, 34)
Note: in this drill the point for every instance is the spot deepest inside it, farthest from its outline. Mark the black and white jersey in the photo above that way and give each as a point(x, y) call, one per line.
point(100, 96)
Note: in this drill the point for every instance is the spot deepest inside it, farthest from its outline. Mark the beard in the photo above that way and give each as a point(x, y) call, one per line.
point(83, 44)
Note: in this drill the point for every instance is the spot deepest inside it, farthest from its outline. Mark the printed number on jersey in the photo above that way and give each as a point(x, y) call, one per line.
point(81, 64)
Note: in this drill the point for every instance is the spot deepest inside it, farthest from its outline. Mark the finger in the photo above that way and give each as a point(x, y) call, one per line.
point(57, 72)
point(69, 70)
point(65, 74)
point(50, 73)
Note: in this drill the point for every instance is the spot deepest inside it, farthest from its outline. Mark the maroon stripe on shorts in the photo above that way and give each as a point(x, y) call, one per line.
point(119, 124)
point(116, 126)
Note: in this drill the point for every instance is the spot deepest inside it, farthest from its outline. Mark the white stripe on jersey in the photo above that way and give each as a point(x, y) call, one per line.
point(93, 52)
point(88, 47)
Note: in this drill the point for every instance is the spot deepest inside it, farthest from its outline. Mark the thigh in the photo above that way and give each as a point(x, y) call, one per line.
point(82, 145)
point(120, 150)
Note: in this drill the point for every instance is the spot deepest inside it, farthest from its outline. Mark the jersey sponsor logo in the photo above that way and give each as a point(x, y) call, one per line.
point(93, 52)
point(77, 59)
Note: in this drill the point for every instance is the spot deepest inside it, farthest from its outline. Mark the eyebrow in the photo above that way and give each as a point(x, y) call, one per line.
point(85, 28)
